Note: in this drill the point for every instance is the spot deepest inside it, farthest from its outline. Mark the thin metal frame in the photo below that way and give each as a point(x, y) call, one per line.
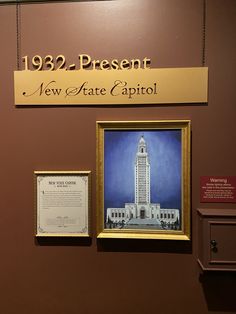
point(63, 173)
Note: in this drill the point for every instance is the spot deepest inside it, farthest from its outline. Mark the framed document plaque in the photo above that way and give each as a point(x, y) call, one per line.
point(62, 203)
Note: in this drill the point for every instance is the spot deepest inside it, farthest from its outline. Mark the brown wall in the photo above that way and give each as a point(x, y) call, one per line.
point(113, 276)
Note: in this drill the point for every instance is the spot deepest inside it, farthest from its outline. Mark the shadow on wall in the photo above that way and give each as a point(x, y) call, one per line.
point(63, 241)
point(144, 245)
point(120, 245)
point(219, 290)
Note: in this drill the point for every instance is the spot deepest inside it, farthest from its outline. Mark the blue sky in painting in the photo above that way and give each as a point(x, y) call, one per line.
point(164, 149)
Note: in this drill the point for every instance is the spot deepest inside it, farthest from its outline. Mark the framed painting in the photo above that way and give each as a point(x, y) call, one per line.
point(143, 179)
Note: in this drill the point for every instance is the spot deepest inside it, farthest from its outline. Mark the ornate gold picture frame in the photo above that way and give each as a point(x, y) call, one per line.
point(143, 179)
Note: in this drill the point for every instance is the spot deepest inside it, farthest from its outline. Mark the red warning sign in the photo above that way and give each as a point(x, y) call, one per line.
point(218, 189)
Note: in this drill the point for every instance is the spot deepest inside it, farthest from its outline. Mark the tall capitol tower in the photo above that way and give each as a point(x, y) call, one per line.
point(142, 211)
point(142, 174)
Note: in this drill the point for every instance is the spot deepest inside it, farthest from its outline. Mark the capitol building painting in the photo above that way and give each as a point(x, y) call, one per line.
point(142, 213)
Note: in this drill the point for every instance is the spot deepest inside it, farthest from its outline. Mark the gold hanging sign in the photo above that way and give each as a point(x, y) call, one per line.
point(115, 85)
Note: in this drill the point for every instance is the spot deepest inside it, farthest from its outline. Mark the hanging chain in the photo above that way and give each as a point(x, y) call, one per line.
point(204, 34)
point(18, 35)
